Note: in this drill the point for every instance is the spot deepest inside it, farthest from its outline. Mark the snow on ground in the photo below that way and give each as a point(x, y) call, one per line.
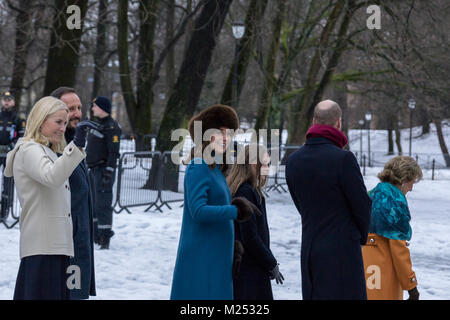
point(140, 263)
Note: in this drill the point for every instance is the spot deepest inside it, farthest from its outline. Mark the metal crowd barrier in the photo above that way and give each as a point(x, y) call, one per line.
point(277, 176)
point(132, 180)
point(172, 179)
point(137, 187)
point(8, 198)
point(428, 162)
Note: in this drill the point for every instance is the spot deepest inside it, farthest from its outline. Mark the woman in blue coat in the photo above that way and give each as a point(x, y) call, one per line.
point(255, 264)
point(203, 268)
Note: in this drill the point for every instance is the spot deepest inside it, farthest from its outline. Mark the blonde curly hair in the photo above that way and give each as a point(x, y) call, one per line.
point(401, 169)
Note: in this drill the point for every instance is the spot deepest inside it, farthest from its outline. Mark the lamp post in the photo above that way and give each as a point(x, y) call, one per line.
point(411, 106)
point(238, 29)
point(368, 118)
point(361, 126)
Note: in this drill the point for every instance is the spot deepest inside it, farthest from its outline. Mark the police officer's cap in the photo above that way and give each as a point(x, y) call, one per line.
point(8, 95)
point(103, 103)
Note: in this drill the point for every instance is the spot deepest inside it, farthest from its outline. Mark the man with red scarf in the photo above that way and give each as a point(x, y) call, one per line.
point(328, 190)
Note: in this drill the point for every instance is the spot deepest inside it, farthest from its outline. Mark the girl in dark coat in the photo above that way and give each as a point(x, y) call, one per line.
point(254, 264)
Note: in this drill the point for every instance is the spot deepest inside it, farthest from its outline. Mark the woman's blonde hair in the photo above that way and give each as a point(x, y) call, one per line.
point(242, 170)
point(401, 169)
point(41, 111)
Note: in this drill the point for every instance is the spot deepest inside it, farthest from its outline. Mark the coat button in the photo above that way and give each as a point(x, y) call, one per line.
point(372, 240)
point(413, 280)
point(69, 214)
point(407, 243)
point(70, 149)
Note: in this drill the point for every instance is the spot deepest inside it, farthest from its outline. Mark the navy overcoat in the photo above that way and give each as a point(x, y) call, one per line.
point(83, 231)
point(328, 190)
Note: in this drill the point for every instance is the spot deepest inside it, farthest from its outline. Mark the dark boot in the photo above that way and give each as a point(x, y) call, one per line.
point(4, 210)
point(105, 239)
point(97, 235)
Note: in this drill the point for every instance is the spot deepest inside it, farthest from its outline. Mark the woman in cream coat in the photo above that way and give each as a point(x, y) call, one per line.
point(41, 179)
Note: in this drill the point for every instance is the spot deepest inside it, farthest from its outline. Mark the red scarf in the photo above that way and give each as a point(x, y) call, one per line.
point(329, 132)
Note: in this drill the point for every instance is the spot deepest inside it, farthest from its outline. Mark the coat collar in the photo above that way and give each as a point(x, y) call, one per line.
point(318, 140)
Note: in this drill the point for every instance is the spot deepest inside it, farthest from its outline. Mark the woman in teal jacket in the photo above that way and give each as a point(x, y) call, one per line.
point(203, 268)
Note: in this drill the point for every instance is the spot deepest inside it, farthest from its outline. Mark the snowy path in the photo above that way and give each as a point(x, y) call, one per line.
point(142, 256)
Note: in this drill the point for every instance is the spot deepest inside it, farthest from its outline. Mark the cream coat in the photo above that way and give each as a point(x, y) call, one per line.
point(41, 180)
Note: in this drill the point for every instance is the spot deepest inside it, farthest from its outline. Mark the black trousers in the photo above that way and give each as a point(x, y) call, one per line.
point(103, 197)
point(42, 277)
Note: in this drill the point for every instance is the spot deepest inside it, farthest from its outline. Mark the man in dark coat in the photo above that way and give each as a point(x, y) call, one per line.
point(82, 207)
point(328, 190)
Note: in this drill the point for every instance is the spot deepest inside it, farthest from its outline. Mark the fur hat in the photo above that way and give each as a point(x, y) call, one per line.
point(215, 117)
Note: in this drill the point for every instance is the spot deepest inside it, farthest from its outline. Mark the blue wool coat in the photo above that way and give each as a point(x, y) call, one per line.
point(83, 232)
point(328, 190)
point(203, 268)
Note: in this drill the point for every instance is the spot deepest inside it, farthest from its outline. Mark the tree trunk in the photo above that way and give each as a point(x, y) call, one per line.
point(442, 144)
point(345, 114)
point(146, 53)
point(282, 122)
point(398, 140)
point(186, 92)
point(190, 26)
point(270, 81)
point(23, 39)
point(390, 141)
point(425, 120)
point(303, 112)
point(63, 53)
point(100, 50)
point(124, 65)
point(139, 106)
point(390, 119)
point(254, 16)
point(170, 62)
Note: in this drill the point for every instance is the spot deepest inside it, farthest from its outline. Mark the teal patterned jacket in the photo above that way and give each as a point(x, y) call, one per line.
point(390, 214)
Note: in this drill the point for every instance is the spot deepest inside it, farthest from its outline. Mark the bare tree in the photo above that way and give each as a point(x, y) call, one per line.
point(63, 52)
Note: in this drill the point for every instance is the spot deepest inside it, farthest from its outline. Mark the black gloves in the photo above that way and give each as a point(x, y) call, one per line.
point(245, 208)
point(81, 130)
point(238, 254)
point(276, 274)
point(106, 177)
point(413, 294)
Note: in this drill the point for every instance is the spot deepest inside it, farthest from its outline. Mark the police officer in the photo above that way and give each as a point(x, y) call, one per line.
point(101, 156)
point(12, 127)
